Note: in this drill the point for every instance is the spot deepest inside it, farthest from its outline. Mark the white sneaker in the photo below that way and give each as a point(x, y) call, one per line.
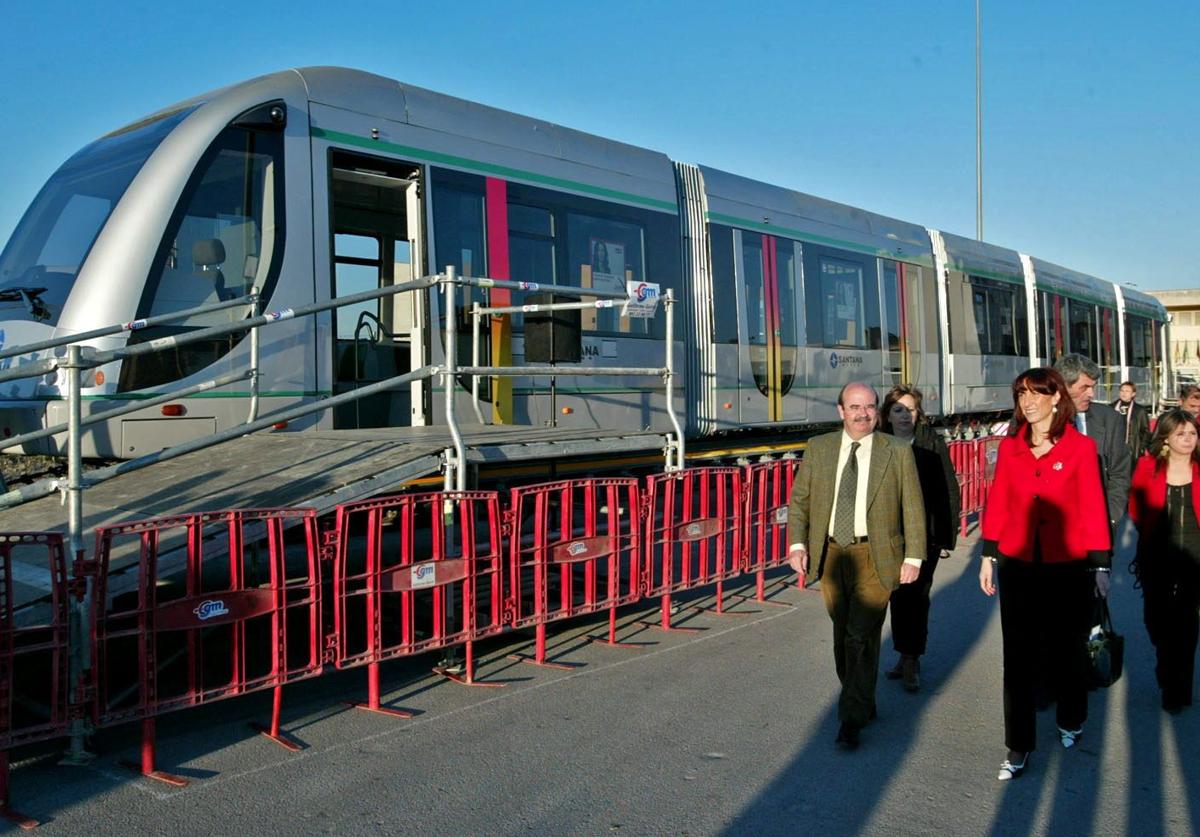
point(1068, 737)
point(1011, 770)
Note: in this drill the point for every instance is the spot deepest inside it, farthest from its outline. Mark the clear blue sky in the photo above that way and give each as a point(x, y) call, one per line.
point(1091, 113)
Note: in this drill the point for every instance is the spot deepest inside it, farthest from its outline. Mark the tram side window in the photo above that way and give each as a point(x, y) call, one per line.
point(605, 253)
point(841, 298)
point(1108, 338)
point(756, 304)
point(724, 286)
point(224, 238)
point(599, 245)
point(1051, 311)
point(1137, 341)
point(458, 225)
point(1082, 319)
point(891, 304)
point(997, 320)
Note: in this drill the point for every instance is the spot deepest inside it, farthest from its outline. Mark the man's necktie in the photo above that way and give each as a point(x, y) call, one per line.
point(843, 525)
point(1081, 423)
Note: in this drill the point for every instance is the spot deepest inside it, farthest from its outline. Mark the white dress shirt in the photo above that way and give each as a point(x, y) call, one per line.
point(863, 455)
point(860, 495)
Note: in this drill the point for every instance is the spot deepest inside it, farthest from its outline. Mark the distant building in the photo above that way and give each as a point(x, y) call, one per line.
point(1184, 308)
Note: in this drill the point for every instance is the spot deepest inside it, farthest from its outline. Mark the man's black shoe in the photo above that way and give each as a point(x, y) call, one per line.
point(847, 737)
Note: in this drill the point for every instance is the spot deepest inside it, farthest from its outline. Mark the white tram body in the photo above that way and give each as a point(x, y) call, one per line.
point(316, 183)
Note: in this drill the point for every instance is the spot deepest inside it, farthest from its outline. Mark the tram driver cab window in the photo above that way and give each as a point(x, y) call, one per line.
point(224, 239)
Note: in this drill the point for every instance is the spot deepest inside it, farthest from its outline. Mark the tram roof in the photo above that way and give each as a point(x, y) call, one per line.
point(1072, 283)
point(751, 204)
point(982, 259)
point(408, 104)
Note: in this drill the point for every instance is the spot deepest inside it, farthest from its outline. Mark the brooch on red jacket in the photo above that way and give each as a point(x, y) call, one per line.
point(1058, 466)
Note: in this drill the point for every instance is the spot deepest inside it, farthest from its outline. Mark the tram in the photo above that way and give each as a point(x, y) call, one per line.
point(311, 184)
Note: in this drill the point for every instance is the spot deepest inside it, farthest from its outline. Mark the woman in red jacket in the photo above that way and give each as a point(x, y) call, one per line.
point(1164, 502)
point(1045, 525)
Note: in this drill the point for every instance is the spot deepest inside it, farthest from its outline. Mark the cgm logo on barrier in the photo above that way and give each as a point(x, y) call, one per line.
point(424, 575)
point(209, 609)
point(578, 548)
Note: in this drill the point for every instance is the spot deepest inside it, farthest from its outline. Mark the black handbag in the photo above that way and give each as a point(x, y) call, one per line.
point(1106, 649)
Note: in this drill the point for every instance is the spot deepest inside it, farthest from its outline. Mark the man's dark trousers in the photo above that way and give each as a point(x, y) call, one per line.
point(857, 603)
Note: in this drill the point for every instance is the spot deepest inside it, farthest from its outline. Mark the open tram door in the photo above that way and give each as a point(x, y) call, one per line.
point(768, 270)
point(375, 222)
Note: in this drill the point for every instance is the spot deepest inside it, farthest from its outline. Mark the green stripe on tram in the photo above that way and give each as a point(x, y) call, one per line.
point(923, 259)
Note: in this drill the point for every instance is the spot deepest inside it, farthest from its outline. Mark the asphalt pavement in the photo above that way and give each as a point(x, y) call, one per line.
point(725, 730)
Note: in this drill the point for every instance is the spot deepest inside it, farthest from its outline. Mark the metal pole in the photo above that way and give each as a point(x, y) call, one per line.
point(978, 123)
point(475, 361)
point(255, 352)
point(678, 445)
point(456, 459)
point(80, 652)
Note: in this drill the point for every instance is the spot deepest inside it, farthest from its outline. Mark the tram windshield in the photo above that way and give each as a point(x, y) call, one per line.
point(44, 255)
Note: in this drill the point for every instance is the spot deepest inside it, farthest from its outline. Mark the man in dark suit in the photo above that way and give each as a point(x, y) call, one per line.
point(856, 521)
point(1102, 424)
point(1137, 421)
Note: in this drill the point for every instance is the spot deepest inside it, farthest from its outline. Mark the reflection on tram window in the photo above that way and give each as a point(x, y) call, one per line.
point(225, 237)
point(725, 321)
point(606, 254)
point(998, 324)
point(841, 300)
point(1082, 317)
point(752, 273)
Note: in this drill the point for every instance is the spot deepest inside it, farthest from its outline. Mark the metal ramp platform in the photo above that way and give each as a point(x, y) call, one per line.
point(314, 469)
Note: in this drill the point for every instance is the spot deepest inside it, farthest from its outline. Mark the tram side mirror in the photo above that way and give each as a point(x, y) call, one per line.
point(208, 254)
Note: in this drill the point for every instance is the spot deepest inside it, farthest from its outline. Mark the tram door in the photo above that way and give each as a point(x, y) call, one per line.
point(768, 269)
point(897, 356)
point(375, 219)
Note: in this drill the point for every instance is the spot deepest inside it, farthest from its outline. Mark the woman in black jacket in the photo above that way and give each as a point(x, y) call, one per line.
point(903, 418)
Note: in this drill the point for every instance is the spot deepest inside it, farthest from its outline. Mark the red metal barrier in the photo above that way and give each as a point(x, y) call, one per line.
point(964, 458)
point(975, 463)
point(210, 606)
point(414, 573)
point(768, 491)
point(33, 654)
point(692, 532)
point(574, 549)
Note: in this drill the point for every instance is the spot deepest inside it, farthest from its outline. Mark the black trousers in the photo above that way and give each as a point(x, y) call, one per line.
point(1043, 607)
point(1169, 610)
point(910, 609)
point(856, 601)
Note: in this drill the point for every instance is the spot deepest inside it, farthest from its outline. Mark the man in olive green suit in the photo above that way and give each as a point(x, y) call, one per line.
point(856, 521)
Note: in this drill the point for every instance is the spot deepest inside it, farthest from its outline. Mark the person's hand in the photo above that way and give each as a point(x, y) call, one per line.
point(798, 559)
point(987, 583)
point(909, 573)
point(1103, 580)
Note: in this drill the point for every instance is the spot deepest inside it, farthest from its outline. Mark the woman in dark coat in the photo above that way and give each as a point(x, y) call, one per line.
point(1164, 503)
point(903, 418)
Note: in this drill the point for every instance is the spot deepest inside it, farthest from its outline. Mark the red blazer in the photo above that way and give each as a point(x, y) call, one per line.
point(1057, 500)
point(1148, 496)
